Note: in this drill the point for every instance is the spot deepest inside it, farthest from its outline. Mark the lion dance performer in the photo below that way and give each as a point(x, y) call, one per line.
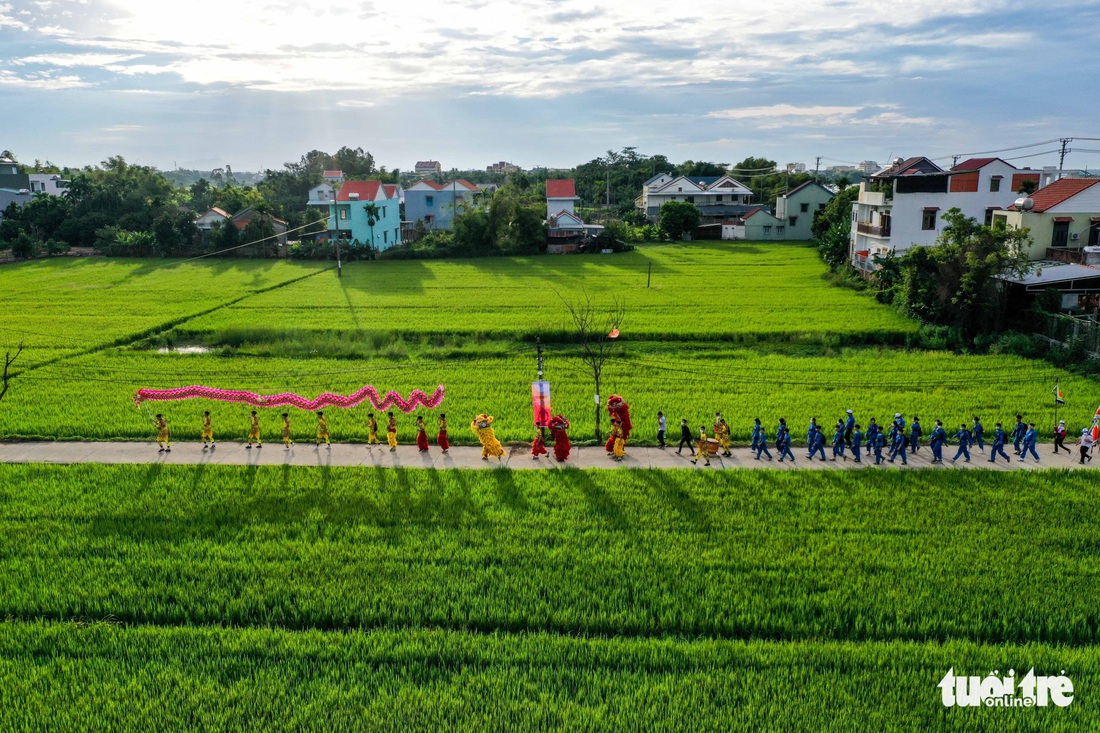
point(618, 447)
point(538, 447)
point(618, 410)
point(490, 446)
point(421, 434)
point(558, 427)
point(162, 434)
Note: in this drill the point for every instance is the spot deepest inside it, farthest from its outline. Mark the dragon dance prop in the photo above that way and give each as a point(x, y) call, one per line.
point(416, 398)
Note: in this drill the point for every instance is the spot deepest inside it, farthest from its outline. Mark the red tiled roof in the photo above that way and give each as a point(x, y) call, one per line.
point(1061, 190)
point(745, 216)
point(561, 188)
point(367, 190)
point(332, 174)
point(973, 164)
point(433, 184)
point(467, 184)
point(222, 212)
point(390, 189)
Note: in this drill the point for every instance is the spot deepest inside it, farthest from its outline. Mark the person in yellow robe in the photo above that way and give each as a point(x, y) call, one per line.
point(372, 430)
point(254, 432)
point(722, 432)
point(207, 430)
point(703, 448)
point(162, 434)
point(391, 432)
point(287, 442)
point(322, 429)
point(490, 446)
point(618, 447)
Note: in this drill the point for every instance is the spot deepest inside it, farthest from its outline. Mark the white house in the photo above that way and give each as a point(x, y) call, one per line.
point(211, 218)
point(561, 195)
point(1062, 218)
point(903, 205)
point(48, 183)
point(718, 198)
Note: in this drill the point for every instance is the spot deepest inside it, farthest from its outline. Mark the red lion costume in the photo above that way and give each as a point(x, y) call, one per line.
point(618, 409)
point(562, 446)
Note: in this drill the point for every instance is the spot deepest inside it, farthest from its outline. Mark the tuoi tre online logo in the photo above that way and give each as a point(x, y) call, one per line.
point(995, 691)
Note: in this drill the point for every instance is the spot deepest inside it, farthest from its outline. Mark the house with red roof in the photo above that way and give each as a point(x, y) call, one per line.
point(902, 206)
point(366, 213)
point(561, 195)
point(436, 203)
point(1063, 218)
point(323, 193)
point(565, 229)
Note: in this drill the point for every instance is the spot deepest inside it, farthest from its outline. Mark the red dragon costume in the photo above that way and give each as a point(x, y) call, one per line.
point(558, 427)
point(618, 409)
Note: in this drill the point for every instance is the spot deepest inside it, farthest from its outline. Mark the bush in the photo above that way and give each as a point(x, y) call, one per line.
point(24, 246)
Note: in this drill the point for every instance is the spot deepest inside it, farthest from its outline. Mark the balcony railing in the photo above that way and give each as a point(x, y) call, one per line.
point(865, 263)
point(865, 227)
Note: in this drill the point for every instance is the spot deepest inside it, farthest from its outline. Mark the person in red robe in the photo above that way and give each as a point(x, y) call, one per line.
point(618, 410)
point(538, 447)
point(558, 427)
point(441, 438)
point(421, 435)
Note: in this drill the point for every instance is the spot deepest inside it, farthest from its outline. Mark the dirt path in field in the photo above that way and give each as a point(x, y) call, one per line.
point(407, 456)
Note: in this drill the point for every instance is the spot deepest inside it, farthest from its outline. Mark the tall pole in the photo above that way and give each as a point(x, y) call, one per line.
point(1062, 155)
point(538, 355)
point(336, 228)
point(817, 166)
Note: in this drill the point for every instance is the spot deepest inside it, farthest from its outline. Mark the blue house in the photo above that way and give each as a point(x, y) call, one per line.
point(436, 203)
point(349, 219)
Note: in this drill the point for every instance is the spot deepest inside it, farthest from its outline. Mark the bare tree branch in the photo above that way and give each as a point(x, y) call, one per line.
point(593, 325)
point(7, 375)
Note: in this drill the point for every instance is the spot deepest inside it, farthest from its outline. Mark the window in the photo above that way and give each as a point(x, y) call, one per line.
point(928, 219)
point(680, 189)
point(429, 219)
point(792, 220)
point(995, 184)
point(689, 199)
point(385, 237)
point(343, 214)
point(767, 230)
point(989, 216)
point(429, 200)
point(718, 197)
point(821, 207)
point(779, 230)
point(805, 208)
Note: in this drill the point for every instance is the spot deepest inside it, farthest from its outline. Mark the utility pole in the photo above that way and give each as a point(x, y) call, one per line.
point(1062, 156)
point(538, 355)
point(336, 230)
point(817, 166)
point(954, 160)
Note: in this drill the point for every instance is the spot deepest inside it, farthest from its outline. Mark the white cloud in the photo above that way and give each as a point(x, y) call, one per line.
point(75, 59)
point(45, 81)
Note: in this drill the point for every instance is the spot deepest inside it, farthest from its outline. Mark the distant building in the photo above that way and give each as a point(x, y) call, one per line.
point(427, 168)
point(868, 167)
point(242, 219)
point(913, 194)
point(501, 168)
point(1063, 218)
point(561, 195)
point(796, 167)
point(718, 198)
point(564, 226)
point(348, 215)
point(213, 217)
point(48, 183)
point(795, 209)
point(435, 204)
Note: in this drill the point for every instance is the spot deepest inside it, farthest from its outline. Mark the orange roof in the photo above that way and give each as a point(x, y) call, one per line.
point(561, 188)
point(390, 189)
point(367, 190)
point(1060, 191)
point(973, 164)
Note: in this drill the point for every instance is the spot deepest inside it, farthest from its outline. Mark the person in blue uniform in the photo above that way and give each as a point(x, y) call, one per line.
point(897, 447)
point(818, 444)
point(872, 433)
point(783, 441)
point(1018, 433)
point(757, 428)
point(1030, 438)
point(978, 432)
point(838, 442)
point(762, 444)
point(857, 443)
point(999, 440)
point(900, 421)
point(915, 433)
point(878, 444)
point(963, 436)
point(936, 441)
point(849, 426)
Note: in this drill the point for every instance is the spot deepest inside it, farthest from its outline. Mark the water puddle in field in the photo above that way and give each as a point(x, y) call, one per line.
point(184, 350)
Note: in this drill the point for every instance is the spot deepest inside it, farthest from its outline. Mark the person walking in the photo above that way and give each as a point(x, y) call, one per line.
point(756, 428)
point(999, 440)
point(421, 434)
point(661, 425)
point(838, 441)
point(703, 449)
point(857, 442)
point(783, 440)
point(162, 434)
point(254, 431)
point(849, 426)
point(207, 431)
point(963, 437)
point(722, 432)
point(936, 441)
point(287, 442)
point(1030, 438)
point(1060, 438)
point(391, 431)
point(618, 448)
point(685, 437)
point(872, 434)
point(899, 421)
point(915, 433)
point(762, 444)
point(880, 441)
point(372, 430)
point(898, 446)
point(441, 437)
point(1018, 433)
point(978, 432)
point(322, 431)
point(818, 445)
point(1084, 444)
point(538, 447)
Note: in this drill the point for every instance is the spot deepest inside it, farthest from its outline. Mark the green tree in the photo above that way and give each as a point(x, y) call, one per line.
point(838, 210)
point(678, 218)
point(834, 245)
point(24, 246)
point(1027, 186)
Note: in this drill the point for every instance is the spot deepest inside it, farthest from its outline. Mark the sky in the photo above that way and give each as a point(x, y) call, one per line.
point(205, 83)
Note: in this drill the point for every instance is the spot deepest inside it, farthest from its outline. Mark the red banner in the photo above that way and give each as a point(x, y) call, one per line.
point(540, 403)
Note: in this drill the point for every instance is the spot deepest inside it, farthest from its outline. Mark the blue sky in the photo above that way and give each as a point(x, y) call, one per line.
point(203, 83)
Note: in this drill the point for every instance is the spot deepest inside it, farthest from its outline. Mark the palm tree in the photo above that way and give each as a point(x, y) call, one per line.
point(1027, 187)
point(372, 219)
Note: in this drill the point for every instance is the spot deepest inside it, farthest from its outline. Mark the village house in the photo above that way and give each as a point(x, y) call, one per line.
point(1062, 218)
point(350, 214)
point(795, 209)
point(324, 193)
point(565, 229)
point(718, 198)
point(436, 204)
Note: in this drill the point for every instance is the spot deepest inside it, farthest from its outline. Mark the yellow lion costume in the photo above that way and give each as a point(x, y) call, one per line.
point(490, 446)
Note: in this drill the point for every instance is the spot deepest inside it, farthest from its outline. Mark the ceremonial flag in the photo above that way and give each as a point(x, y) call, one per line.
point(1096, 425)
point(1058, 394)
point(540, 403)
point(614, 333)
